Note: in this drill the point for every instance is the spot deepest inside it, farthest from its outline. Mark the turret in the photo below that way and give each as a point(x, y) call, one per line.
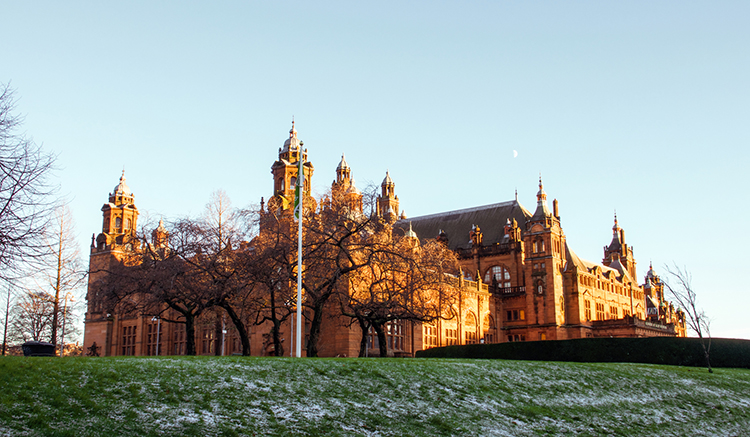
point(285, 172)
point(119, 218)
point(618, 251)
point(388, 200)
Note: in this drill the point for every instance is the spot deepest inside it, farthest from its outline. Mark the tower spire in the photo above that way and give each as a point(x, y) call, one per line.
point(616, 227)
point(542, 212)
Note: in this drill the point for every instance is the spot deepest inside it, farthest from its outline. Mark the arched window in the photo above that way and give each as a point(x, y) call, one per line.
point(490, 331)
point(127, 223)
point(540, 287)
point(293, 182)
point(500, 274)
point(118, 222)
point(470, 328)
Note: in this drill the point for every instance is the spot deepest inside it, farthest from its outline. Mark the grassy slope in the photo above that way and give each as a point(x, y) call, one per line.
point(261, 396)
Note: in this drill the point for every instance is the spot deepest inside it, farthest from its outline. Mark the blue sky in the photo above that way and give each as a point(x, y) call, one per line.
point(640, 107)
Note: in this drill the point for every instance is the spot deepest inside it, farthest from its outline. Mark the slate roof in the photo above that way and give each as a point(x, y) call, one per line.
point(457, 224)
point(584, 265)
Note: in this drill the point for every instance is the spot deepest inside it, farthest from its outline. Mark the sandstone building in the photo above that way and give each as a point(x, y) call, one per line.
point(520, 280)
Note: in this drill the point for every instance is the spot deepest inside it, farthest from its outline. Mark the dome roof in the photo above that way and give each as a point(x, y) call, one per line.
point(161, 227)
point(352, 189)
point(292, 143)
point(410, 233)
point(343, 164)
point(122, 188)
point(387, 180)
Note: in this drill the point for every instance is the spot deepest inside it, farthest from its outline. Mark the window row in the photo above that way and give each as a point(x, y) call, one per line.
point(513, 315)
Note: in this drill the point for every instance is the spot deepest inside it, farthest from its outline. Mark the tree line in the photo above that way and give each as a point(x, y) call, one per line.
point(40, 266)
point(243, 265)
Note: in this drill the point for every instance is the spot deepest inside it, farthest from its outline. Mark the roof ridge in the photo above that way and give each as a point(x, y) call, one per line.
point(465, 210)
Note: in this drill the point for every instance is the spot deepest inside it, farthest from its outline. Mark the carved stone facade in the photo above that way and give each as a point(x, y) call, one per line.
point(542, 290)
point(520, 280)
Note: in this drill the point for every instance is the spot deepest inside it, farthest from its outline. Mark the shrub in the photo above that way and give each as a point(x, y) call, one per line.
point(725, 352)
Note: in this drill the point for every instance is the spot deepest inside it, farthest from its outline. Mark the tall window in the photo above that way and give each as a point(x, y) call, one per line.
point(600, 311)
point(451, 336)
point(152, 337)
point(490, 331)
point(394, 334)
point(127, 223)
point(500, 274)
point(587, 309)
point(430, 335)
point(128, 340)
point(179, 339)
point(470, 328)
point(613, 312)
point(562, 306)
point(207, 342)
point(118, 222)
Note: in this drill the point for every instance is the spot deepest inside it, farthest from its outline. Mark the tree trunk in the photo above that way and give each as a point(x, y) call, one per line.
point(189, 333)
point(5, 331)
point(383, 345)
point(278, 350)
point(706, 354)
point(244, 337)
point(312, 342)
point(218, 336)
point(365, 327)
point(57, 287)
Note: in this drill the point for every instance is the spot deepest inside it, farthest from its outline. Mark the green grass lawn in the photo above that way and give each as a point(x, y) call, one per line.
point(390, 397)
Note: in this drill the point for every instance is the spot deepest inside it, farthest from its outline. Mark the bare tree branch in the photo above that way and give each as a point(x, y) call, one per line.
point(25, 193)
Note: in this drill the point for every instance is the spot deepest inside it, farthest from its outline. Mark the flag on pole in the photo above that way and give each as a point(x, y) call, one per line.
point(298, 187)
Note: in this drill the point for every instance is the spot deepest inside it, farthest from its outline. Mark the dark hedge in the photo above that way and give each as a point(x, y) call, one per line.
point(725, 352)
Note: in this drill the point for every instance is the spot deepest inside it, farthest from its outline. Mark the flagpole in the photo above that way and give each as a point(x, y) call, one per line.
point(300, 194)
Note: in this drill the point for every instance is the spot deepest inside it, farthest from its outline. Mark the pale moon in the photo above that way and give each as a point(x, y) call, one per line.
point(515, 154)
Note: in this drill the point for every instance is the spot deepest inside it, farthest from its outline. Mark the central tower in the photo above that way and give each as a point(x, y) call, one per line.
point(285, 172)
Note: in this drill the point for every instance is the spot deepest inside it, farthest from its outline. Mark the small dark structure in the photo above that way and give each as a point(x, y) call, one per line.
point(38, 349)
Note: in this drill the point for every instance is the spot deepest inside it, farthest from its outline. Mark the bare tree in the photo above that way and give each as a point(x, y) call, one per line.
point(32, 317)
point(336, 243)
point(67, 315)
point(25, 193)
point(683, 293)
point(7, 318)
point(403, 282)
point(273, 297)
point(197, 266)
point(63, 269)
